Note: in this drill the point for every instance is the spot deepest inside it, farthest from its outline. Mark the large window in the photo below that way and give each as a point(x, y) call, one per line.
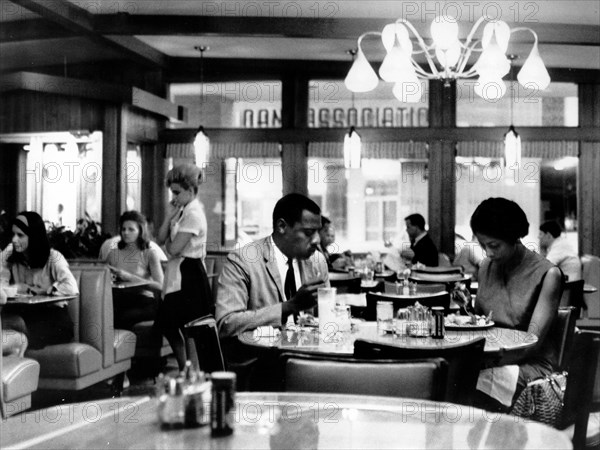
point(545, 187)
point(133, 177)
point(555, 106)
point(234, 104)
point(331, 105)
point(64, 177)
point(367, 206)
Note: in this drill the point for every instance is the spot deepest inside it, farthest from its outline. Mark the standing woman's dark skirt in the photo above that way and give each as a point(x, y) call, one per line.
point(194, 300)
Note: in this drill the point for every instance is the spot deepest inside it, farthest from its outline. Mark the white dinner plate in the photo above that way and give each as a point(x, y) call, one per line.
point(466, 326)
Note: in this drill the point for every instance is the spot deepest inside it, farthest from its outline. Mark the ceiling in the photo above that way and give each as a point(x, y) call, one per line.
point(39, 33)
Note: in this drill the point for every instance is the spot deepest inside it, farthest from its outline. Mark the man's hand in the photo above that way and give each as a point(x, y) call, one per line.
point(305, 298)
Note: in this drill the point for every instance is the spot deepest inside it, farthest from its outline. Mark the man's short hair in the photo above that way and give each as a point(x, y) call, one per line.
point(417, 220)
point(325, 222)
point(551, 227)
point(290, 207)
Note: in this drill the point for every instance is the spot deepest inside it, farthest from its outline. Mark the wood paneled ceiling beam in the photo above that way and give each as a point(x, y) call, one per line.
point(318, 28)
point(79, 21)
point(31, 30)
point(72, 87)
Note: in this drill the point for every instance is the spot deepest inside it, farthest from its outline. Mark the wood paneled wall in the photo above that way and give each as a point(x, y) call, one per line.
point(588, 210)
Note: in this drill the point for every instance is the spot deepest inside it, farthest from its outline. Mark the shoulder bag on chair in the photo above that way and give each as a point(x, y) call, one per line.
point(542, 399)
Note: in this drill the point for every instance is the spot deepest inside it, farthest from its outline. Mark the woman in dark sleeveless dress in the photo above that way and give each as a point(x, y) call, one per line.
point(522, 289)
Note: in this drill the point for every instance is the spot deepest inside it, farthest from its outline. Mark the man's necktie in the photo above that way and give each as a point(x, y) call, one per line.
point(289, 286)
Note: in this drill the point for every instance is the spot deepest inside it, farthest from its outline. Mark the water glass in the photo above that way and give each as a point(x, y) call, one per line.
point(412, 287)
point(342, 318)
point(369, 274)
point(385, 317)
point(327, 320)
point(402, 319)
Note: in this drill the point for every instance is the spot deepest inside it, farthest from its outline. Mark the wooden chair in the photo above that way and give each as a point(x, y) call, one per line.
point(590, 266)
point(441, 298)
point(392, 288)
point(423, 379)
point(203, 344)
point(573, 294)
point(445, 269)
point(464, 363)
point(344, 283)
point(563, 329)
point(578, 400)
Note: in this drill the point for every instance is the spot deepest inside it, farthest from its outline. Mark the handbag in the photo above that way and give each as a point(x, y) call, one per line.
point(542, 399)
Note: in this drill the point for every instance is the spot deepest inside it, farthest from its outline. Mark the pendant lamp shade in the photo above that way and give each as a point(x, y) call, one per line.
point(352, 150)
point(512, 148)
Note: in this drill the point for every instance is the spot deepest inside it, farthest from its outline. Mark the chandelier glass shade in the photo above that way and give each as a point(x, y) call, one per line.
point(446, 59)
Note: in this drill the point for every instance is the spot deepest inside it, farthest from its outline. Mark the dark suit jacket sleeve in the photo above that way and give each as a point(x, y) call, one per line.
point(426, 252)
point(246, 299)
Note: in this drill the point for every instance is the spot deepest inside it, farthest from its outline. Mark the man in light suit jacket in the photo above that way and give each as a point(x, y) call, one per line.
point(251, 291)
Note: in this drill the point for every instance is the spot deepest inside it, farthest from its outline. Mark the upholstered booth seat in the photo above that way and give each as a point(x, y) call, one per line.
point(67, 360)
point(19, 378)
point(124, 345)
point(98, 351)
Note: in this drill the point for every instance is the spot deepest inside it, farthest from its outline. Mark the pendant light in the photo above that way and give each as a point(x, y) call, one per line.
point(512, 140)
point(352, 142)
point(201, 141)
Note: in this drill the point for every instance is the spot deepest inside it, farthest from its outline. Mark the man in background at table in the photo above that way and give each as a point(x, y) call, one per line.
point(257, 286)
point(422, 247)
point(558, 251)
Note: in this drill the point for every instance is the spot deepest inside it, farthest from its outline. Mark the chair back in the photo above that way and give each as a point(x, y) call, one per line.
point(344, 283)
point(563, 330)
point(423, 379)
point(445, 269)
point(444, 260)
point(441, 298)
point(582, 367)
point(396, 288)
point(590, 266)
point(572, 294)
point(203, 345)
point(464, 363)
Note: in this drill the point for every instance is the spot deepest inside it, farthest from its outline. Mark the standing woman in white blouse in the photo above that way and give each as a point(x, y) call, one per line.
point(186, 292)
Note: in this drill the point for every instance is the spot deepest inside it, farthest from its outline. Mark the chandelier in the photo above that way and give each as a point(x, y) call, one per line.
point(446, 59)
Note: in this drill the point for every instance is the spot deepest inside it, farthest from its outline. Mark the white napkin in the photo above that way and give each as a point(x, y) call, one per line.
point(499, 383)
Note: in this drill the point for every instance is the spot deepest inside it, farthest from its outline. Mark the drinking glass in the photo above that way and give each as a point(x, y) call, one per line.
point(327, 323)
point(402, 319)
point(385, 317)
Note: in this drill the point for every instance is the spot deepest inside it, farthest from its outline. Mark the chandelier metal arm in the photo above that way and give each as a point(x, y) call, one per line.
point(423, 46)
point(464, 58)
point(364, 35)
point(535, 36)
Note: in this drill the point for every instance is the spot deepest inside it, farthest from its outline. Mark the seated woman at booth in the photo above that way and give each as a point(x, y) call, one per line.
point(33, 267)
point(134, 259)
point(523, 290)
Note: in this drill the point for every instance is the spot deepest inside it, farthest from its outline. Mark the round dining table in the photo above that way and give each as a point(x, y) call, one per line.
point(500, 342)
point(278, 420)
